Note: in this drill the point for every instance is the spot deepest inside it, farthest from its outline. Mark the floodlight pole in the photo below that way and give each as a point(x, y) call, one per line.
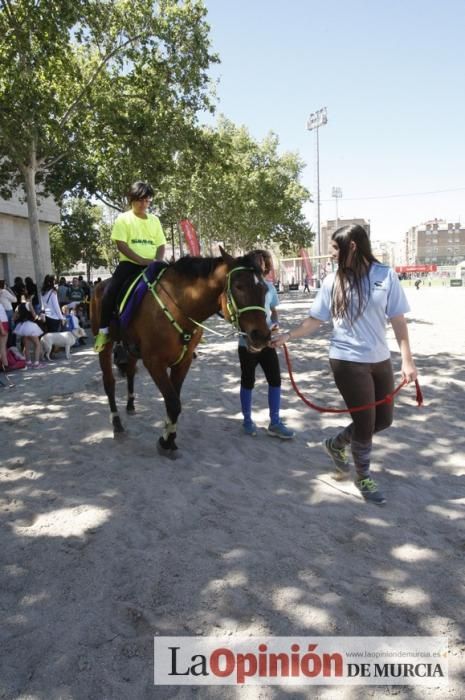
point(315, 120)
point(337, 194)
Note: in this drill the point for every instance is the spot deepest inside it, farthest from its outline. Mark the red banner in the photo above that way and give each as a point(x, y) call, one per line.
point(416, 268)
point(190, 234)
point(307, 263)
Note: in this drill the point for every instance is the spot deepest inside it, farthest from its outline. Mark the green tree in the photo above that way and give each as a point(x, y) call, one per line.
point(63, 258)
point(109, 251)
point(90, 90)
point(242, 193)
point(81, 226)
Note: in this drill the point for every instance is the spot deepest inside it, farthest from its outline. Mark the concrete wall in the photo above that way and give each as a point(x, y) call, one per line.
point(15, 242)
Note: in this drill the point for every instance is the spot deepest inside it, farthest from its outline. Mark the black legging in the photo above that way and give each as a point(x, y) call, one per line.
point(53, 324)
point(124, 270)
point(362, 383)
point(268, 361)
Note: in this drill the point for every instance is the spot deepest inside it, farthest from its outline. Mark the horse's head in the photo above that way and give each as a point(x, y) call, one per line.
point(243, 300)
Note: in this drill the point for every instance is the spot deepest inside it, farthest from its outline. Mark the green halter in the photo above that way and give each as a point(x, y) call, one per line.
point(233, 310)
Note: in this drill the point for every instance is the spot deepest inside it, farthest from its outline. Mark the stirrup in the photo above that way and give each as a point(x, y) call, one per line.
point(101, 339)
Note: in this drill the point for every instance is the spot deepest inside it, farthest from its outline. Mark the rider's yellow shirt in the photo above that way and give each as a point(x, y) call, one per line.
point(143, 236)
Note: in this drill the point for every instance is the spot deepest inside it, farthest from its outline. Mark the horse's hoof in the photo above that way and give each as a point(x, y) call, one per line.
point(118, 429)
point(130, 410)
point(167, 449)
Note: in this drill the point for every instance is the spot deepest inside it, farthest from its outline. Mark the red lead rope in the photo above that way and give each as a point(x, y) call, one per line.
point(387, 399)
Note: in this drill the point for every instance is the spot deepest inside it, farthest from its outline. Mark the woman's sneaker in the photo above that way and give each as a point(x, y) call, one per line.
point(339, 457)
point(249, 428)
point(370, 491)
point(279, 430)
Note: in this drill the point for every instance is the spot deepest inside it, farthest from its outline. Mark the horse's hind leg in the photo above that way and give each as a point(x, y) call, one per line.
point(130, 372)
point(105, 359)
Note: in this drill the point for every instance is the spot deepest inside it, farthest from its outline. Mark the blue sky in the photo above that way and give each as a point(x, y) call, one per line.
point(391, 74)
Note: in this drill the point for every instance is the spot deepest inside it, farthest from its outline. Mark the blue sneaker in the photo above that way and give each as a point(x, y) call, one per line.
point(279, 430)
point(249, 428)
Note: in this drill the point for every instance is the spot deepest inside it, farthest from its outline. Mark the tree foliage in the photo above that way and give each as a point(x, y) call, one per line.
point(63, 259)
point(91, 90)
point(244, 193)
point(84, 236)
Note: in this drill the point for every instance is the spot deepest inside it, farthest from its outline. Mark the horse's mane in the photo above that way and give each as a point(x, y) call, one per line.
point(193, 267)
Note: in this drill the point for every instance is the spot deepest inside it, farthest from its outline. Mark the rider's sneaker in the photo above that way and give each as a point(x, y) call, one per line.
point(340, 459)
point(249, 428)
point(279, 430)
point(370, 491)
point(101, 339)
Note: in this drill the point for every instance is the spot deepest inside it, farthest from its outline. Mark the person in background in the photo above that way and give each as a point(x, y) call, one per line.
point(72, 325)
point(19, 290)
point(140, 240)
point(30, 333)
point(268, 361)
point(32, 294)
point(7, 299)
point(76, 294)
point(62, 291)
point(358, 299)
point(4, 330)
point(54, 319)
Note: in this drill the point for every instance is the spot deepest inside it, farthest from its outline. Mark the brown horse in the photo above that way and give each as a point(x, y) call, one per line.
point(165, 328)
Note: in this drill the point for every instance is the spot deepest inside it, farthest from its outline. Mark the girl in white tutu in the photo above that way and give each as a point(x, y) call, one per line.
point(30, 332)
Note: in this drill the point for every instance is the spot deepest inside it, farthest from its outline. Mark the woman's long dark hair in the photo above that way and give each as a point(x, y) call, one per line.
point(49, 283)
point(350, 281)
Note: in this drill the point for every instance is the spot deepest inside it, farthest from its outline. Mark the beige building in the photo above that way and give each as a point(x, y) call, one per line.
point(438, 241)
point(384, 251)
point(15, 243)
point(331, 225)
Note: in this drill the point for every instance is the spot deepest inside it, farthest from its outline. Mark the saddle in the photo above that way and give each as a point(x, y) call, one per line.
point(133, 290)
point(128, 300)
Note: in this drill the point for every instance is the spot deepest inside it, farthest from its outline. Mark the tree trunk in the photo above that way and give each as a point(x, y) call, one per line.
point(29, 174)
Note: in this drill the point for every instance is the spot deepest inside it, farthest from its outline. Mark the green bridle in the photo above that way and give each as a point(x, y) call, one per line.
point(234, 311)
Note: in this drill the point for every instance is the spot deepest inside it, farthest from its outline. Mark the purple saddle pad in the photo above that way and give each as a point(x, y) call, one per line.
point(137, 294)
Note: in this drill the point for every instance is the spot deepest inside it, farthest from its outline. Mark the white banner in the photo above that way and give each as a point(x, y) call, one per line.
point(301, 661)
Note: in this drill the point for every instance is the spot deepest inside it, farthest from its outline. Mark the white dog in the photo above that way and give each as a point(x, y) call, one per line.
point(63, 339)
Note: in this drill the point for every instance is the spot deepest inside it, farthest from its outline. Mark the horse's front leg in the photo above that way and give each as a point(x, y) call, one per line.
point(167, 442)
point(130, 373)
point(177, 375)
point(105, 359)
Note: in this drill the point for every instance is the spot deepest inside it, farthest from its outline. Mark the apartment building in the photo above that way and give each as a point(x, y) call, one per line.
point(332, 224)
point(438, 241)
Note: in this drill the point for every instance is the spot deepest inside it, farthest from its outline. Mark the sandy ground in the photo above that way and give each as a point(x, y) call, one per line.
point(104, 544)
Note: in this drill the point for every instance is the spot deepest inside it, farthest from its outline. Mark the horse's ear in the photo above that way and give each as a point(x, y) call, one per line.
point(226, 257)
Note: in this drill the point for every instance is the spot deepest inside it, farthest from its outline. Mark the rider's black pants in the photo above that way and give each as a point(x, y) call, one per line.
point(124, 270)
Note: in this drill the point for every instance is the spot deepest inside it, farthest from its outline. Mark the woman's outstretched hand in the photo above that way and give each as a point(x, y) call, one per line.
point(277, 341)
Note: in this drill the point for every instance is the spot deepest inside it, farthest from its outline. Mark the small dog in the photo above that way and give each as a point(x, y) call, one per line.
point(62, 339)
